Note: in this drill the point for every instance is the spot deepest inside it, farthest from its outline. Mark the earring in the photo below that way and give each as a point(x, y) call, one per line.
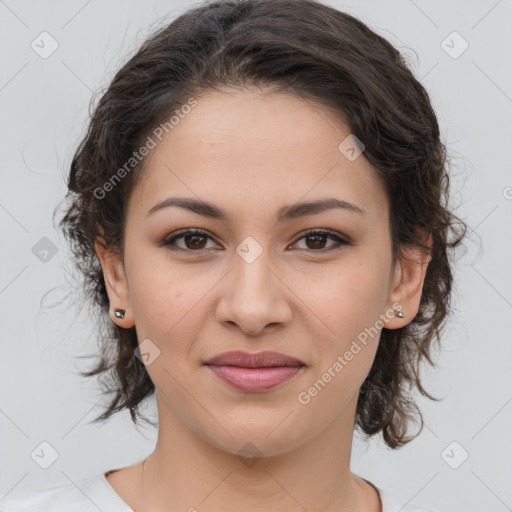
point(119, 313)
point(399, 314)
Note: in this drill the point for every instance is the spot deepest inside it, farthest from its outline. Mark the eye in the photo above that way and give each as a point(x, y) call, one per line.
point(317, 237)
point(194, 240)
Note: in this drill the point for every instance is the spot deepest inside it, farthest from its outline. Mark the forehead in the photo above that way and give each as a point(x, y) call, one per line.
point(252, 149)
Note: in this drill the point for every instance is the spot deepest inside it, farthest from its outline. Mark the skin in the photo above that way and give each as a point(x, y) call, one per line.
point(250, 153)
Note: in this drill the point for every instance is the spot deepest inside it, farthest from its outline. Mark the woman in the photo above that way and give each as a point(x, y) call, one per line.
point(259, 211)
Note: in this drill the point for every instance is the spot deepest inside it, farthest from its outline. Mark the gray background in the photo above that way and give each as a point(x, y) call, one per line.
point(44, 107)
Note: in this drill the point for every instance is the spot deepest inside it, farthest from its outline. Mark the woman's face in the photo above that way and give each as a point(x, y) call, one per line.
point(254, 280)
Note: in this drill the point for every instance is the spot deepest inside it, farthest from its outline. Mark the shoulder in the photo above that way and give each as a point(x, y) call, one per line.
point(393, 503)
point(86, 495)
point(52, 499)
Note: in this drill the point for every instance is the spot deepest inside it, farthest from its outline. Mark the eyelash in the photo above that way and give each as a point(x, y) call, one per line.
point(198, 232)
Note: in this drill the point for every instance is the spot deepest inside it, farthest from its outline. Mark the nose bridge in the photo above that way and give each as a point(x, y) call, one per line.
point(252, 275)
point(253, 298)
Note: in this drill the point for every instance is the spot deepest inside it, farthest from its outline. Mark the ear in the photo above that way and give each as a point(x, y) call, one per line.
point(407, 285)
point(115, 282)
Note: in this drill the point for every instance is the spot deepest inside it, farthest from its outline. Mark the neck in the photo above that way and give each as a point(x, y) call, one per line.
point(190, 472)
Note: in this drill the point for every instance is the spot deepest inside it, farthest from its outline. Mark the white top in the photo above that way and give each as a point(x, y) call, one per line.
point(96, 493)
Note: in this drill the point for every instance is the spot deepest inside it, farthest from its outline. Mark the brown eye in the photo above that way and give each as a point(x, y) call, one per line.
point(194, 240)
point(316, 240)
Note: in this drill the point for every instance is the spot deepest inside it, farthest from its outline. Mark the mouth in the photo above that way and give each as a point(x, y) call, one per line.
point(264, 359)
point(254, 372)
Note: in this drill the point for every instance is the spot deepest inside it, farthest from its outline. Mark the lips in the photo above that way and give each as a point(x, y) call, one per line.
point(264, 359)
point(254, 372)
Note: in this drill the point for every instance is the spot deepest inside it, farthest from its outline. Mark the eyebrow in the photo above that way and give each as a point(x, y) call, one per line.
point(285, 213)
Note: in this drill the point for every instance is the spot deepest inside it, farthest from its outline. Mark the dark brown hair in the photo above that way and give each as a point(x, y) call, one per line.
point(318, 53)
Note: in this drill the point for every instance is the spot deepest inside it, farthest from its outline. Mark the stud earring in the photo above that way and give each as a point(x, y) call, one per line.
point(399, 314)
point(119, 313)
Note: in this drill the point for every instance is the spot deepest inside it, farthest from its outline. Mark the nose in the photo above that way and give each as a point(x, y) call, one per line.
point(254, 297)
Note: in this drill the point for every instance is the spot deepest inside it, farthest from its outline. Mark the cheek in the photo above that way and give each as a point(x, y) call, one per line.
point(164, 298)
point(348, 297)
point(349, 306)
point(167, 310)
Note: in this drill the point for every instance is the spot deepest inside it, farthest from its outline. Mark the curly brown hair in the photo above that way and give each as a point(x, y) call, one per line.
point(318, 53)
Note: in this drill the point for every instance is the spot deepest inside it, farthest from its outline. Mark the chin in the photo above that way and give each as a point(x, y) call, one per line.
point(256, 441)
